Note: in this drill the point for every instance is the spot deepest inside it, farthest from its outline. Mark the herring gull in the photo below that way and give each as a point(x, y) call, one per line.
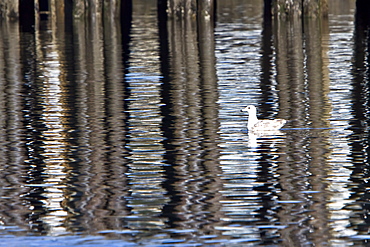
point(261, 125)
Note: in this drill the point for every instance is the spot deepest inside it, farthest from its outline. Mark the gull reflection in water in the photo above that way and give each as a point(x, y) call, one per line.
point(262, 134)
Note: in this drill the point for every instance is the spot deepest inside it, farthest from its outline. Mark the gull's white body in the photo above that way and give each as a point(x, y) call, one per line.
point(261, 125)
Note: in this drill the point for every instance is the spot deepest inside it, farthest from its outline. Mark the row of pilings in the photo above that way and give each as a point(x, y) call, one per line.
point(11, 9)
point(26, 9)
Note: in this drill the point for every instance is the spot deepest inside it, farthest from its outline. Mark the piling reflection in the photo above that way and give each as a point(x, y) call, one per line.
point(190, 110)
point(359, 125)
point(319, 114)
point(304, 101)
point(146, 196)
point(15, 211)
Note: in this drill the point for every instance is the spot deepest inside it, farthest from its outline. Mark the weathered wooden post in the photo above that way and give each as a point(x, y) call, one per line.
point(287, 8)
point(181, 8)
point(308, 8)
point(314, 8)
point(9, 9)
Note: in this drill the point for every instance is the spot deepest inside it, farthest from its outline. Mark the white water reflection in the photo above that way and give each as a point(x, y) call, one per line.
point(54, 142)
point(260, 137)
point(339, 174)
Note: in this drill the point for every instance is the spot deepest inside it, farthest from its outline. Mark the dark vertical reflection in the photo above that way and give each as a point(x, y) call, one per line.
point(27, 17)
point(168, 118)
point(14, 208)
point(32, 128)
point(190, 125)
point(95, 196)
point(267, 63)
point(316, 35)
point(182, 159)
point(126, 23)
point(303, 83)
point(289, 68)
point(359, 125)
point(43, 8)
point(290, 79)
point(115, 122)
point(87, 196)
point(78, 177)
point(268, 183)
point(75, 123)
point(210, 164)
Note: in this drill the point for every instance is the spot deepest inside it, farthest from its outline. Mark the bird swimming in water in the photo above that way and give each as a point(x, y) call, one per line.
point(261, 125)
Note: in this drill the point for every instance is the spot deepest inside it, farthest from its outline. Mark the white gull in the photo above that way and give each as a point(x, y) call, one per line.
point(261, 125)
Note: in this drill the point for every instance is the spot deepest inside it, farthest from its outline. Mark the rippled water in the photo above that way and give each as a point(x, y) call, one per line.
point(132, 135)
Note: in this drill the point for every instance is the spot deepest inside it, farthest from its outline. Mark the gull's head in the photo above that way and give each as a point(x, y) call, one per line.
point(250, 109)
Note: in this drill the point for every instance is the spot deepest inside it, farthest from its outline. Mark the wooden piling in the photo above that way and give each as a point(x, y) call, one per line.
point(307, 8)
point(9, 9)
point(189, 8)
point(315, 8)
point(26, 9)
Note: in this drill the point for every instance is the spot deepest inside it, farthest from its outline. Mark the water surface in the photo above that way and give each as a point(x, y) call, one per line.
point(130, 133)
